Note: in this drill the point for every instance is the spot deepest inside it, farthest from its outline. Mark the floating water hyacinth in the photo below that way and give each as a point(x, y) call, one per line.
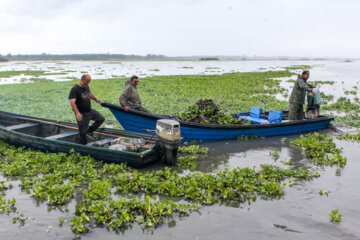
point(335, 216)
point(57, 178)
point(234, 91)
point(320, 148)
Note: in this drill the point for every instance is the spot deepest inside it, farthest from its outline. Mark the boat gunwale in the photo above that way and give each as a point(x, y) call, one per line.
point(76, 145)
point(103, 130)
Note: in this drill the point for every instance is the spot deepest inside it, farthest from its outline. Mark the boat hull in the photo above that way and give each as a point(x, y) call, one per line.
point(107, 155)
point(143, 122)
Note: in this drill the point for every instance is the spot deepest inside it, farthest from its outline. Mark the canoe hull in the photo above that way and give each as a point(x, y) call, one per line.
point(107, 155)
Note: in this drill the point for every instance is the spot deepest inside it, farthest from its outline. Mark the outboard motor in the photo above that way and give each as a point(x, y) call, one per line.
point(170, 139)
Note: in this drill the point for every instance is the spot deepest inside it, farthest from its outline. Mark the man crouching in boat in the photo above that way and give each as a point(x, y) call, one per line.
point(297, 97)
point(130, 98)
point(80, 96)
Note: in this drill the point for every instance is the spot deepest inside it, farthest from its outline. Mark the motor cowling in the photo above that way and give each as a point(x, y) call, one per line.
point(168, 131)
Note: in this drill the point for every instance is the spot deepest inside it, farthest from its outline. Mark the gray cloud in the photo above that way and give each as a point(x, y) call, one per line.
point(263, 27)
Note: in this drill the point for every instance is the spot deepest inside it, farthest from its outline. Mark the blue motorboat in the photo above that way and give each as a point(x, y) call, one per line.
point(138, 121)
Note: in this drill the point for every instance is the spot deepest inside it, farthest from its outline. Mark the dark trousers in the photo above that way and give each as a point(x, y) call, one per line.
point(84, 124)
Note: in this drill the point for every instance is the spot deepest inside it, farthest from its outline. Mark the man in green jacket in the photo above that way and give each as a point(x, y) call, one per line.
point(130, 98)
point(297, 97)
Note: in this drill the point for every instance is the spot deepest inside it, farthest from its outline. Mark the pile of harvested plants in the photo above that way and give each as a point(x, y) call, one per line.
point(207, 112)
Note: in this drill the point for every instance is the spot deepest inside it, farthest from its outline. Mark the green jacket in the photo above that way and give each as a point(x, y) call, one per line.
point(130, 97)
point(298, 93)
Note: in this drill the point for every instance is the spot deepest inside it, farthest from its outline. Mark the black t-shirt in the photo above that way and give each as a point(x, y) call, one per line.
point(82, 95)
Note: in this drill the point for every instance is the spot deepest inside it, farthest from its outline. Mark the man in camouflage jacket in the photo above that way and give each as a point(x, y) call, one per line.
point(130, 98)
point(297, 97)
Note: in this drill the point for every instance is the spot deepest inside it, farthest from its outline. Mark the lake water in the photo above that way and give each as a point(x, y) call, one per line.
point(300, 214)
point(344, 74)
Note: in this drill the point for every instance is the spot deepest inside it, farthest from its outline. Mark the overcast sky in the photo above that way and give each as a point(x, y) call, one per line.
point(303, 28)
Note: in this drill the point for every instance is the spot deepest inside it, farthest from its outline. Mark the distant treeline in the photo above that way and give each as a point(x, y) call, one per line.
point(108, 56)
point(101, 56)
point(209, 59)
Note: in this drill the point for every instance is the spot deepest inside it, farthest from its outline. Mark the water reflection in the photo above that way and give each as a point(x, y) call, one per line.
point(231, 154)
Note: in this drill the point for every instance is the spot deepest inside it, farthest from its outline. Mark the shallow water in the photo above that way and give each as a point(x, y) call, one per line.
point(300, 214)
point(344, 74)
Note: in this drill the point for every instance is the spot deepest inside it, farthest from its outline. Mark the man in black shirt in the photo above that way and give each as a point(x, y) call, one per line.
point(80, 96)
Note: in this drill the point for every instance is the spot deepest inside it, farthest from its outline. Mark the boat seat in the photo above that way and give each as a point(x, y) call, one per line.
point(254, 116)
point(103, 142)
point(21, 126)
point(62, 135)
point(274, 117)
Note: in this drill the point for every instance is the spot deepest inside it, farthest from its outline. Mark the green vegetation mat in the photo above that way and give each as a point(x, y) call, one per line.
point(117, 196)
point(55, 179)
point(160, 94)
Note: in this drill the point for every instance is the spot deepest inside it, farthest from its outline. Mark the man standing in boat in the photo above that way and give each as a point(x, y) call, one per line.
point(130, 98)
point(80, 96)
point(297, 97)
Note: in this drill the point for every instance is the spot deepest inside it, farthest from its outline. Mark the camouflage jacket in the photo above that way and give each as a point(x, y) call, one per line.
point(130, 97)
point(298, 93)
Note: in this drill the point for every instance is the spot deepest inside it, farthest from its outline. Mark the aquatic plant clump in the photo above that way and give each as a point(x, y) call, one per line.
point(49, 177)
point(335, 216)
point(320, 148)
point(8, 74)
point(188, 161)
point(116, 214)
point(342, 104)
point(193, 149)
point(207, 112)
point(189, 155)
point(350, 119)
point(57, 178)
point(7, 206)
point(4, 186)
point(298, 67)
point(349, 137)
point(238, 185)
point(275, 155)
